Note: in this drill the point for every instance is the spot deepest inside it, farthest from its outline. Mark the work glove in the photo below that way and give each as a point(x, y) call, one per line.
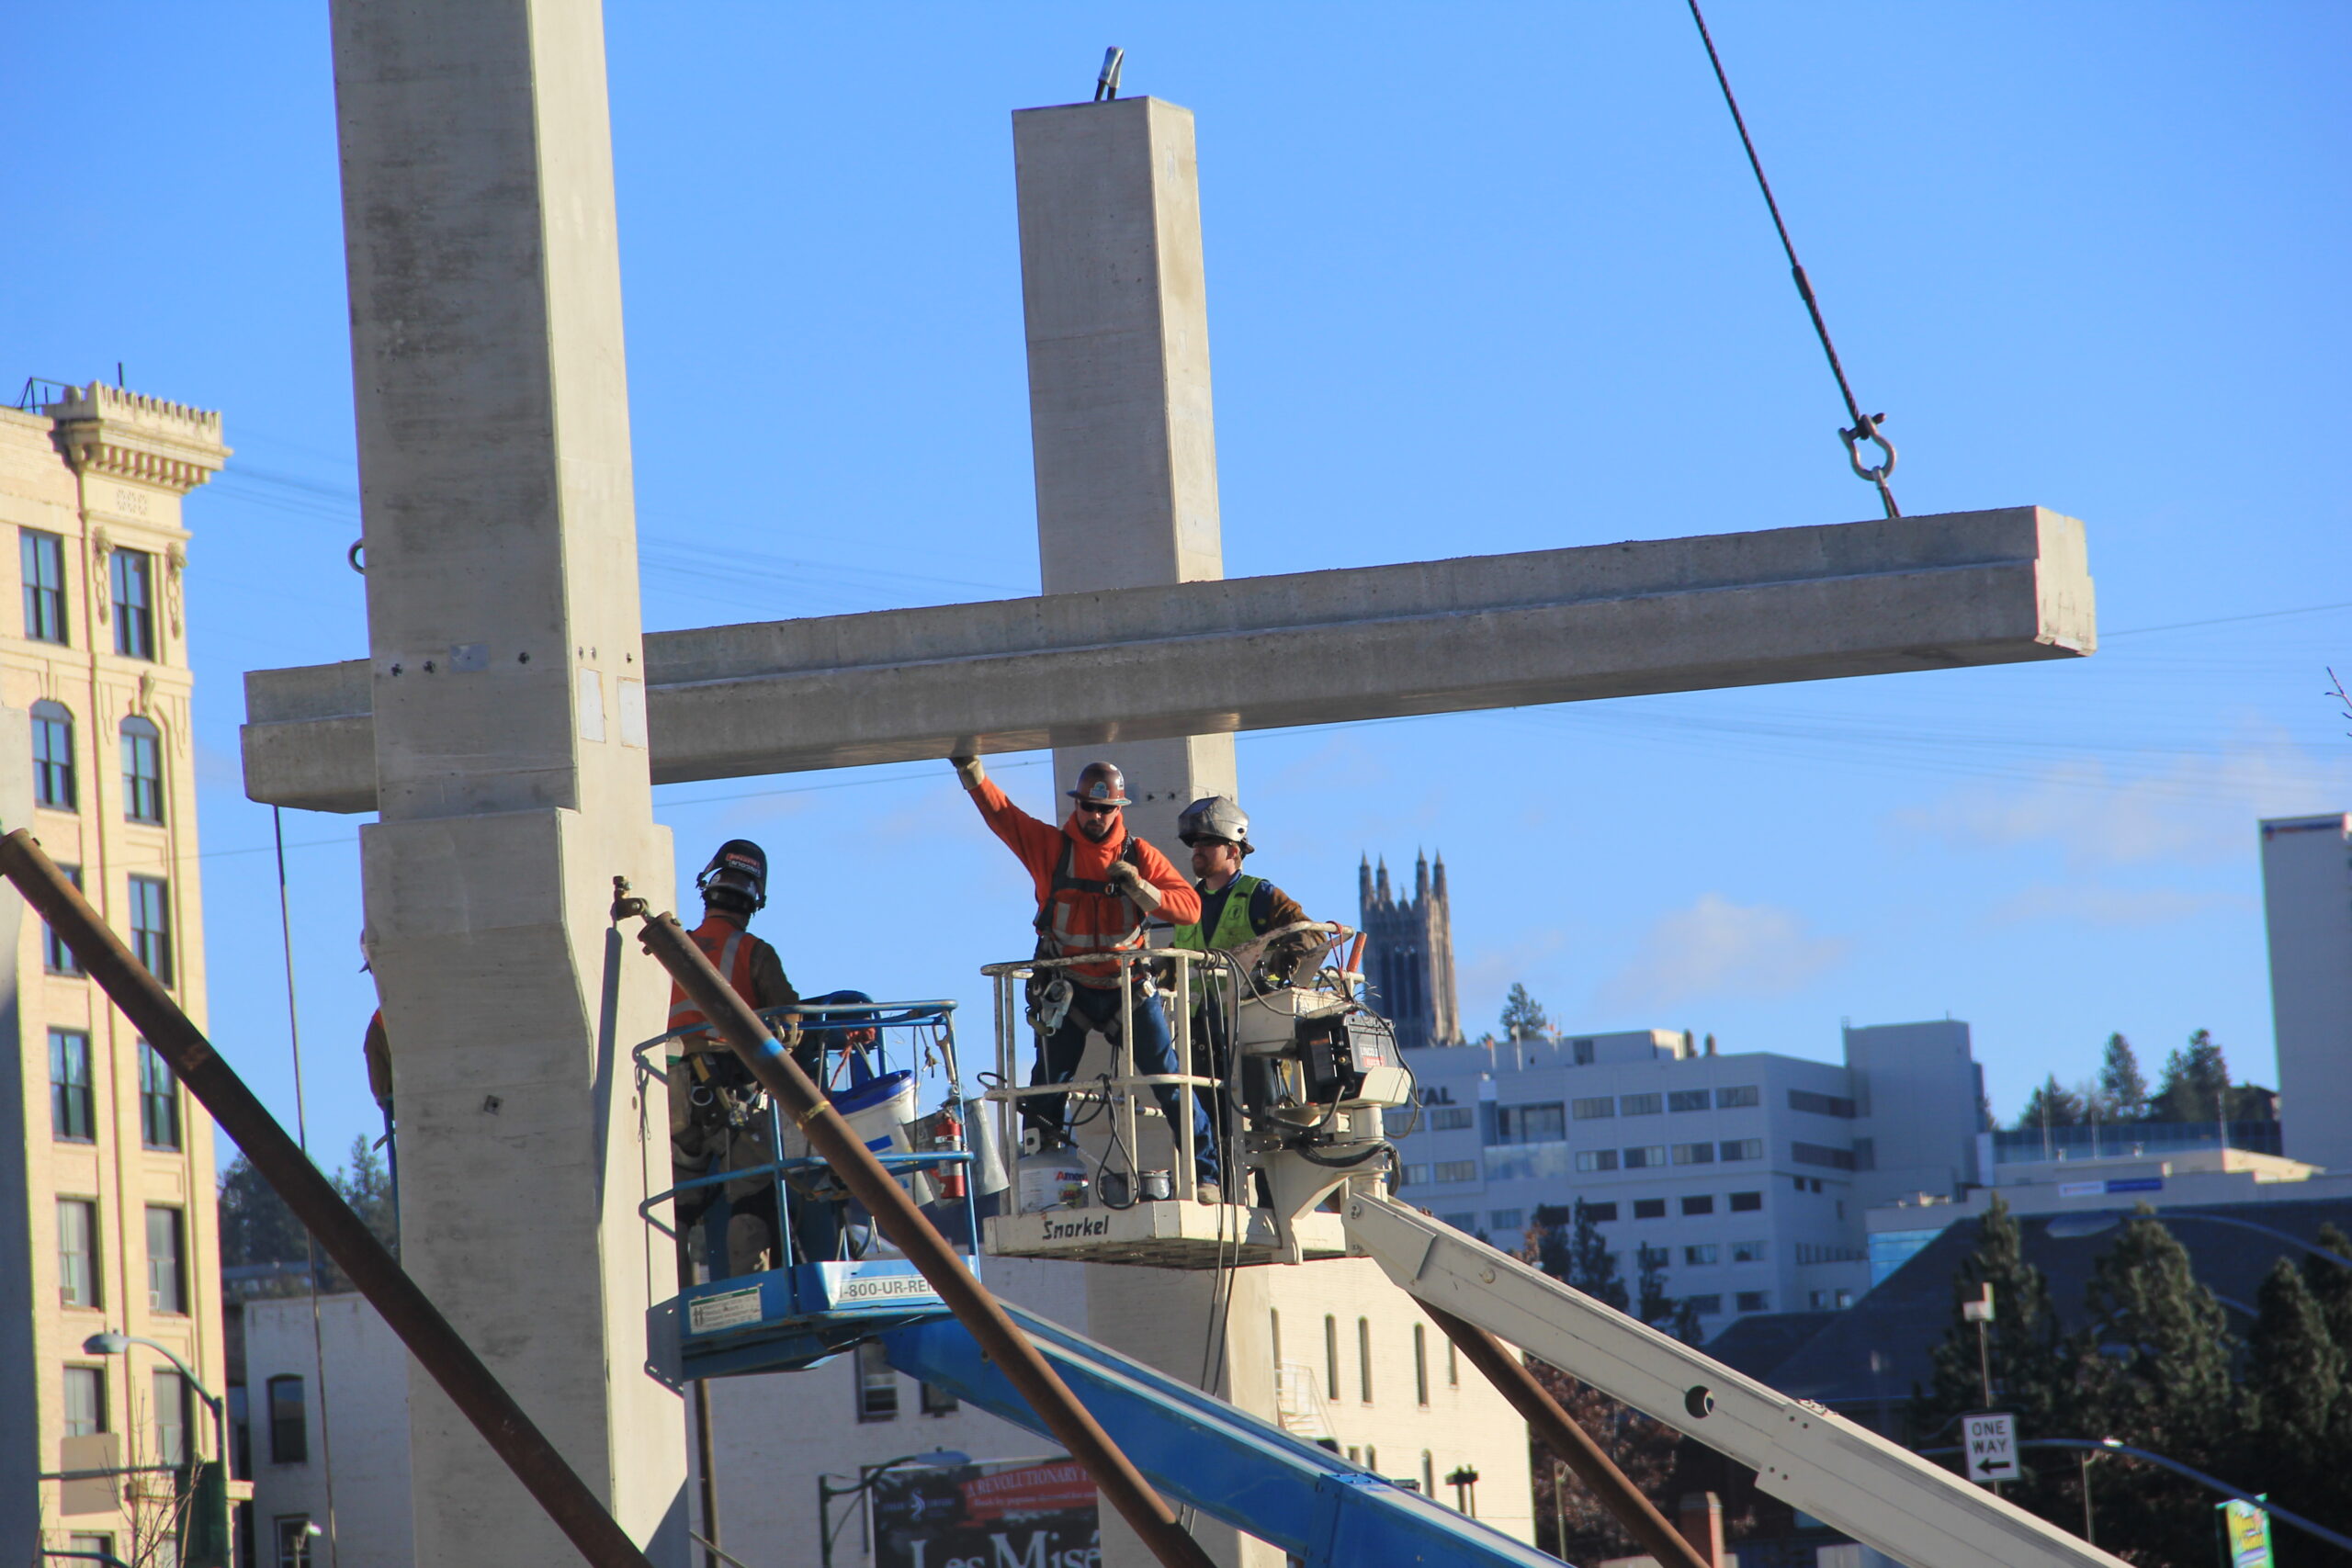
point(968, 770)
point(1129, 881)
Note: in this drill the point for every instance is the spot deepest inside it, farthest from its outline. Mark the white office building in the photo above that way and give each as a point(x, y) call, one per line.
point(2307, 897)
point(1752, 1171)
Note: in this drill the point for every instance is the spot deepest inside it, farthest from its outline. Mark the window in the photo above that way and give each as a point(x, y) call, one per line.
point(1699, 1204)
point(294, 1541)
point(1731, 1099)
point(1748, 1252)
point(53, 757)
point(1602, 1213)
point(86, 1401)
point(937, 1401)
point(142, 771)
point(1822, 1153)
point(92, 1543)
point(1371, 1458)
point(1705, 1306)
point(1820, 1104)
point(241, 1436)
point(1830, 1252)
point(171, 1412)
point(1588, 1109)
point(1428, 1474)
point(1694, 1153)
point(134, 603)
point(1640, 1104)
point(1649, 1208)
point(42, 557)
point(1507, 1219)
point(159, 1100)
point(55, 956)
point(77, 1253)
point(1582, 1051)
point(1753, 1301)
point(1363, 1357)
point(1747, 1202)
point(877, 1383)
point(167, 1278)
point(1595, 1159)
point(1457, 1170)
point(1452, 1367)
point(1700, 1254)
point(1449, 1118)
point(1330, 1357)
point(1686, 1100)
point(1421, 1364)
point(151, 925)
point(1463, 1221)
point(1274, 1338)
point(1414, 1176)
point(72, 1110)
point(1650, 1157)
point(1739, 1149)
point(1531, 1123)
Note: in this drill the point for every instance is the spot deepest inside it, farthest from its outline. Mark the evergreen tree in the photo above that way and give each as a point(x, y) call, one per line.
point(2122, 1091)
point(2052, 1105)
point(367, 1186)
point(1523, 1017)
point(2161, 1380)
point(1652, 1304)
point(255, 1224)
point(2295, 1377)
point(1568, 1246)
point(2331, 1285)
point(2196, 1077)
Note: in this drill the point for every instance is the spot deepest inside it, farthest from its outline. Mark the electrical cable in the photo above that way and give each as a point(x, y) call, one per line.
point(1865, 427)
point(303, 1137)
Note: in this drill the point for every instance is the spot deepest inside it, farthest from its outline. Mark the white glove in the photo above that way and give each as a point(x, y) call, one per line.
point(968, 770)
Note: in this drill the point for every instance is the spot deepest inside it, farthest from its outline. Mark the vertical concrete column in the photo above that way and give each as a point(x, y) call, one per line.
point(1123, 435)
point(510, 742)
point(1124, 442)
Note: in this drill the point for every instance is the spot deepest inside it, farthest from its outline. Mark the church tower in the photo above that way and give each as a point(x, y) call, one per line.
point(1408, 954)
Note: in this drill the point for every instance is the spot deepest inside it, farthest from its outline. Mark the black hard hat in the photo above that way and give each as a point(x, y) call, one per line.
point(737, 858)
point(1101, 783)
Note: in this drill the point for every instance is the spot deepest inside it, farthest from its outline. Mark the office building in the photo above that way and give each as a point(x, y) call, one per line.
point(1750, 1172)
point(2307, 898)
point(106, 1167)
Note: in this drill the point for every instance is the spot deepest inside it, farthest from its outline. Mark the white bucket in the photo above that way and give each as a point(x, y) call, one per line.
point(1055, 1179)
point(879, 1113)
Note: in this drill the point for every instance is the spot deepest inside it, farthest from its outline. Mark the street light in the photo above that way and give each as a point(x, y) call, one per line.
point(2095, 1222)
point(869, 1474)
point(107, 1342)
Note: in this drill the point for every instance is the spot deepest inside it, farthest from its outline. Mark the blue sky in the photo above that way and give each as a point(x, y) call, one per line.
point(1481, 279)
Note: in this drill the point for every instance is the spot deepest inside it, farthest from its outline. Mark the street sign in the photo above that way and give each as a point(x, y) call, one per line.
point(1991, 1443)
point(2245, 1535)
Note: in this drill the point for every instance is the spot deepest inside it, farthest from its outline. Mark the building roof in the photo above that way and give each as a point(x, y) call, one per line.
point(1910, 1310)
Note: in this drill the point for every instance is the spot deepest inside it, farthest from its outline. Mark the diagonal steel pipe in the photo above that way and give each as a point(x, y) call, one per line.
point(894, 1209)
point(437, 1347)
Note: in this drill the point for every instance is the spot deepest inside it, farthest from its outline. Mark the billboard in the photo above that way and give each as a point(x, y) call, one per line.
point(1032, 1513)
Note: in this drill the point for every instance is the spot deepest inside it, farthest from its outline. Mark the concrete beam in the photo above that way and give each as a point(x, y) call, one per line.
point(1884, 596)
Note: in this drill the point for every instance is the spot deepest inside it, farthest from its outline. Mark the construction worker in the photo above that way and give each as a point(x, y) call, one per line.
point(1235, 909)
point(716, 1121)
point(1096, 886)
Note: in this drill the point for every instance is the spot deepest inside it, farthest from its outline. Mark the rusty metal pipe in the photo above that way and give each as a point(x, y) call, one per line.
point(1144, 1509)
point(575, 1511)
point(1575, 1446)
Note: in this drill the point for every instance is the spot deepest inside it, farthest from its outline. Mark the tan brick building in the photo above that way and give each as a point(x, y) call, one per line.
point(106, 1195)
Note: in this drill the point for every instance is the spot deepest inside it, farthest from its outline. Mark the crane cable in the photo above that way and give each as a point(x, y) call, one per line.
point(1865, 426)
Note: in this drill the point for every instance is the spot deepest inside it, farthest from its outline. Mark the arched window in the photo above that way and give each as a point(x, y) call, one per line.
point(53, 757)
point(142, 771)
point(1332, 1357)
point(1364, 1356)
point(1421, 1363)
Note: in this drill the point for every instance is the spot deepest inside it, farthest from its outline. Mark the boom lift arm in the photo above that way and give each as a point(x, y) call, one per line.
point(1843, 1473)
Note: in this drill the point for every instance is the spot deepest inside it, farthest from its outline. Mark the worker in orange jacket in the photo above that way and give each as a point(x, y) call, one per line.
point(716, 1121)
point(1097, 885)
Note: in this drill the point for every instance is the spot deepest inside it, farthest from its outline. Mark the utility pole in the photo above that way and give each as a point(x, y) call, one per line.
point(1979, 1313)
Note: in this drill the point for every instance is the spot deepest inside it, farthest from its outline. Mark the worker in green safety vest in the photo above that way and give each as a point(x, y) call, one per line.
point(1235, 909)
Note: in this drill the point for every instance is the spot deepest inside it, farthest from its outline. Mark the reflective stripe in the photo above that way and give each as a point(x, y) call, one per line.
point(1057, 939)
point(1234, 926)
point(731, 957)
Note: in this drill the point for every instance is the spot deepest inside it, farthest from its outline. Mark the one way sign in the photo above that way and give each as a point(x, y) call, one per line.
point(1992, 1446)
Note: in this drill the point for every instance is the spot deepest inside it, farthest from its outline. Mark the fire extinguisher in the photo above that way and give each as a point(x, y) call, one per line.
point(948, 1134)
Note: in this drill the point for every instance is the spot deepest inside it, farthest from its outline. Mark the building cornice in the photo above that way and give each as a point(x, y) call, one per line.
point(130, 436)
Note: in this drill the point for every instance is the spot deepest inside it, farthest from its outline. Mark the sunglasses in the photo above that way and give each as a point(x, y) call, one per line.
point(1095, 808)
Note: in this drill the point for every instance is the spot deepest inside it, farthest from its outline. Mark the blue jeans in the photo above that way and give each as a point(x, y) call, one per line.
point(1097, 1010)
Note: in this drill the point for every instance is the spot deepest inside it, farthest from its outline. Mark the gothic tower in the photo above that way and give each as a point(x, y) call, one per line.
point(1408, 954)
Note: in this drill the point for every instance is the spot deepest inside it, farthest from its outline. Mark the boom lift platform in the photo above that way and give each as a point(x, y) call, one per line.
point(1301, 1099)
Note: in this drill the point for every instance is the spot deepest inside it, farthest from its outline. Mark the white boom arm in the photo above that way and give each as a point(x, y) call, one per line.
point(1841, 1473)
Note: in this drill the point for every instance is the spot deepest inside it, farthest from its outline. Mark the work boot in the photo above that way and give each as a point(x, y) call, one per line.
point(1210, 1193)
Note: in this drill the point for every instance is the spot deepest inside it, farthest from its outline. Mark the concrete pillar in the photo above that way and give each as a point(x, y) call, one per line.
point(507, 682)
point(1123, 436)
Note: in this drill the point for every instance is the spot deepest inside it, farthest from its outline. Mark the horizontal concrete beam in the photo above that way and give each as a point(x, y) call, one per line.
point(1959, 589)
